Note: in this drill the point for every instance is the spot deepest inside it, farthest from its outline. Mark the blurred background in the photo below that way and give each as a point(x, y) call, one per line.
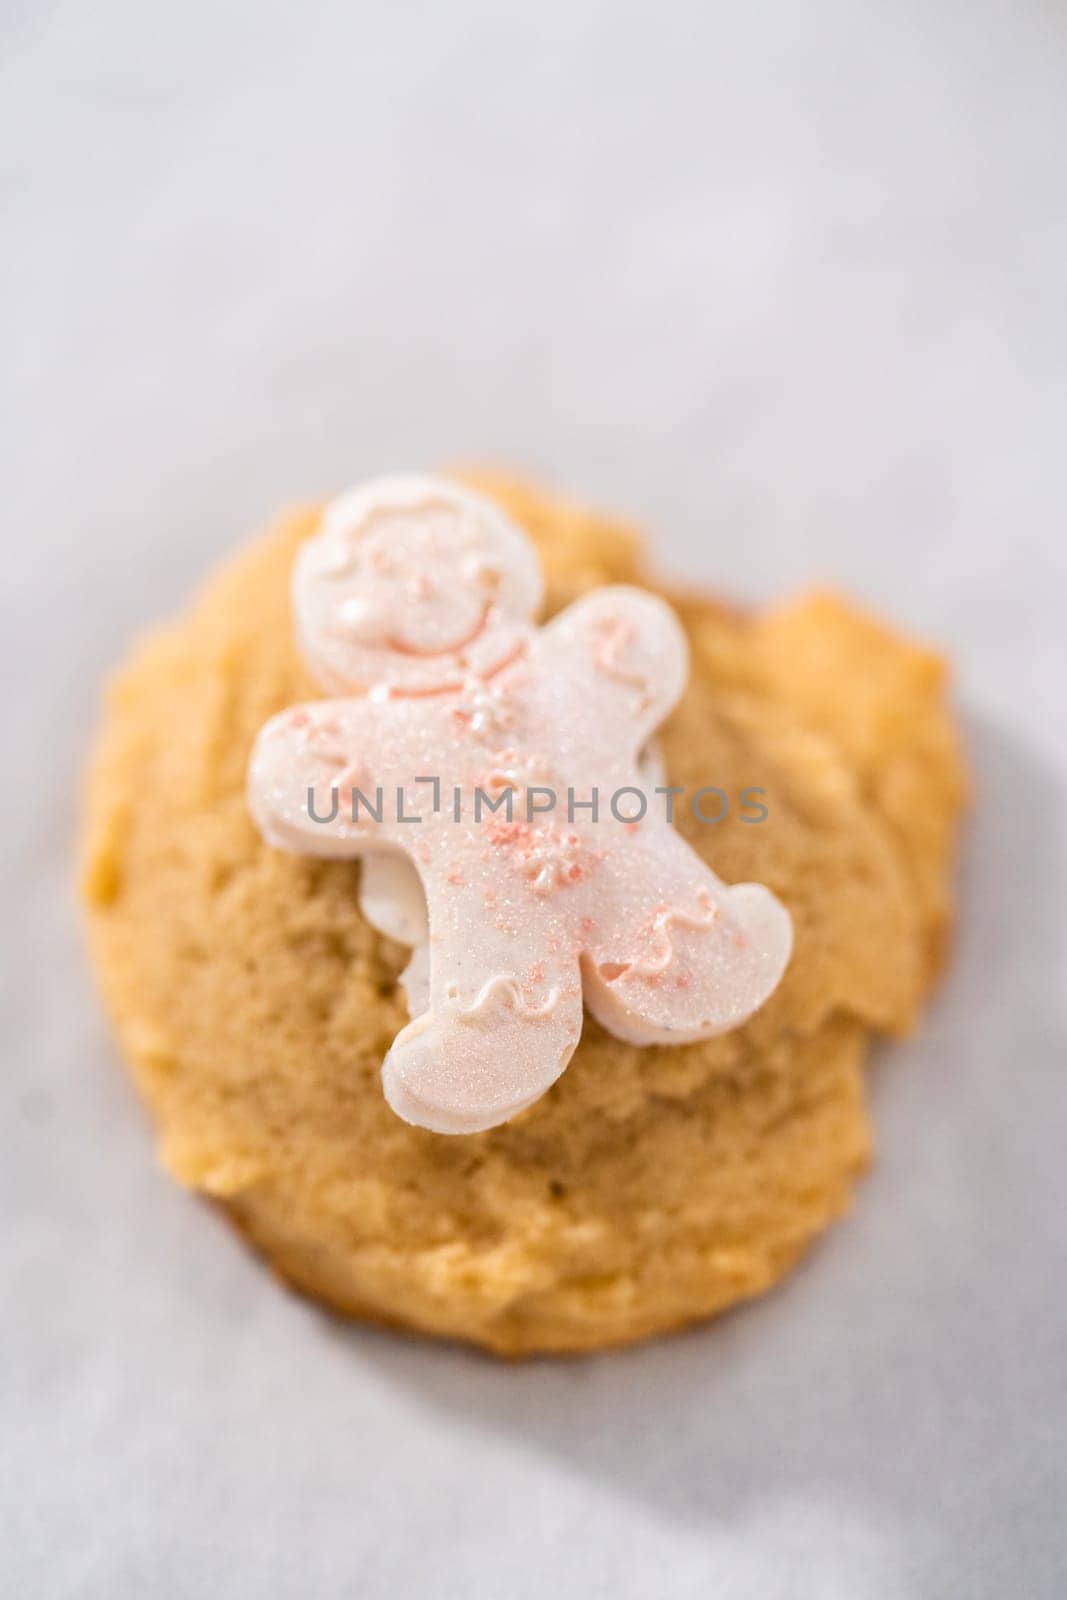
point(784, 284)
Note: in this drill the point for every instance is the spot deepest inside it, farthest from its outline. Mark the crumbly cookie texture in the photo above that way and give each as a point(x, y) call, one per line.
point(649, 1187)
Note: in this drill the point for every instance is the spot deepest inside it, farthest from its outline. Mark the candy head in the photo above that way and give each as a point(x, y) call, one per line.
point(413, 584)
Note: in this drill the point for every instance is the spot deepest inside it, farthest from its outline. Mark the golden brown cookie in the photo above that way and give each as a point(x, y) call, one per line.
point(650, 1186)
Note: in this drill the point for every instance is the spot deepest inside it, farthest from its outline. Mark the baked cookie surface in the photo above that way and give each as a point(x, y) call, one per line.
point(650, 1186)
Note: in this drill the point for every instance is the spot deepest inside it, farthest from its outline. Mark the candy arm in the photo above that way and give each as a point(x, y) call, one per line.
point(301, 776)
point(619, 660)
point(675, 954)
point(503, 1017)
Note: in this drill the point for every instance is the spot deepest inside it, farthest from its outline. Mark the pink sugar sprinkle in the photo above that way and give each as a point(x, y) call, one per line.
point(518, 835)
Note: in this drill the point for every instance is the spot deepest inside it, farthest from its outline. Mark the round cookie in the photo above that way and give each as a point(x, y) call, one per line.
point(649, 1186)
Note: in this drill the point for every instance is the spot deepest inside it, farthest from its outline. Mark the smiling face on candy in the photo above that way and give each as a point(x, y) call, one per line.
point(414, 603)
point(413, 584)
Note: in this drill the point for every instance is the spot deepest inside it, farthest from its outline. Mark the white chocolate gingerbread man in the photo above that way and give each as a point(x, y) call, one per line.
point(413, 603)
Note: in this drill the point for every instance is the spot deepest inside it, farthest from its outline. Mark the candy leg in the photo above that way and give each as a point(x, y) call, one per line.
point(681, 954)
point(502, 1022)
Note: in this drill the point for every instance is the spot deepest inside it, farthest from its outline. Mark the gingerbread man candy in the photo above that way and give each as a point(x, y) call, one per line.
point(503, 761)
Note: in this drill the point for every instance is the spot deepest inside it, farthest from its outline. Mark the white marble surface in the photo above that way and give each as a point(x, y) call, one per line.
point(788, 284)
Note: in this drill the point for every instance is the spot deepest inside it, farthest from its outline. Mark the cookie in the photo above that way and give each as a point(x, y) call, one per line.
point(650, 1186)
